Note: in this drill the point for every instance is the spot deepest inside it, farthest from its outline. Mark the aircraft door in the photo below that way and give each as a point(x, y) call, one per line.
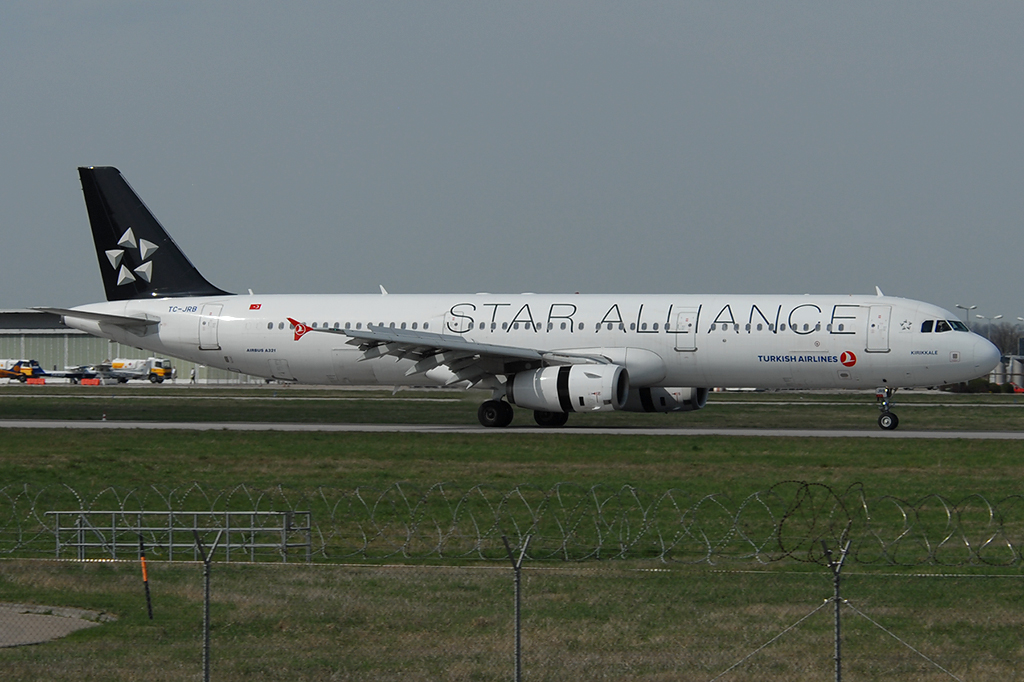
point(878, 329)
point(279, 370)
point(208, 319)
point(684, 325)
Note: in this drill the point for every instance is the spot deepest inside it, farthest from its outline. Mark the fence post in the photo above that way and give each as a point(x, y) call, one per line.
point(207, 559)
point(516, 569)
point(57, 518)
point(837, 567)
point(285, 529)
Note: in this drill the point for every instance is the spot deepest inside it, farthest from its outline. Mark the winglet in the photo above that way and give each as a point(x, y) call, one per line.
point(878, 292)
point(300, 329)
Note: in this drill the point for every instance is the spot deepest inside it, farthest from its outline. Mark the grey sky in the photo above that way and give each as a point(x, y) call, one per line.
point(528, 146)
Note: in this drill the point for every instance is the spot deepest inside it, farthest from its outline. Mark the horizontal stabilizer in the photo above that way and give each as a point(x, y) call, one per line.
point(128, 322)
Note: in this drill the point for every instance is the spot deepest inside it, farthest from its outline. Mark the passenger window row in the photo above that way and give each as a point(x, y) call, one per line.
point(927, 327)
point(348, 325)
point(771, 327)
point(563, 326)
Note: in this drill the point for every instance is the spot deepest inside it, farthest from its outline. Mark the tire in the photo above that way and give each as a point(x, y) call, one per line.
point(153, 378)
point(495, 414)
point(550, 419)
point(507, 413)
point(888, 421)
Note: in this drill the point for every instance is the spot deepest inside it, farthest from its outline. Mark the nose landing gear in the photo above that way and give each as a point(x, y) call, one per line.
point(887, 420)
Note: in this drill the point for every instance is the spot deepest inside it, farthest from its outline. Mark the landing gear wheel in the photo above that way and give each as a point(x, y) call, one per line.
point(550, 418)
point(495, 413)
point(888, 421)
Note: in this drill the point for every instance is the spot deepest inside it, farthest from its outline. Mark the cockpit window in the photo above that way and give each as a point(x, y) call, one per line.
point(959, 326)
point(942, 326)
point(926, 326)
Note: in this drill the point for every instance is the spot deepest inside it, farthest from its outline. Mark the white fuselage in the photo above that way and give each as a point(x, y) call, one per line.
point(763, 341)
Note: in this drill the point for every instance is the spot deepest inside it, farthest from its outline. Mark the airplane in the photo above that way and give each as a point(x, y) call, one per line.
point(552, 354)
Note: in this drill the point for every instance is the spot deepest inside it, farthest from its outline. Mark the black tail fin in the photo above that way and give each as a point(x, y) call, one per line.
point(138, 259)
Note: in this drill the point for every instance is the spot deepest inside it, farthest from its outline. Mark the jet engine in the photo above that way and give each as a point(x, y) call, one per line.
point(570, 388)
point(666, 399)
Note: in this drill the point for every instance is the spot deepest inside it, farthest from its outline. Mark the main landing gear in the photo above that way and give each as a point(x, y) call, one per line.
point(495, 413)
point(498, 413)
point(887, 420)
point(550, 418)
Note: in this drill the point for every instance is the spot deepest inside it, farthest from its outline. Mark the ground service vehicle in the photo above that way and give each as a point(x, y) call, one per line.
point(126, 369)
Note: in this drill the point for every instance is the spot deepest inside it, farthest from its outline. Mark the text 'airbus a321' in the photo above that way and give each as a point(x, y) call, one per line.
point(553, 354)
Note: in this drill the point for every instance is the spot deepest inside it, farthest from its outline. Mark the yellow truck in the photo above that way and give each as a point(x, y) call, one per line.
point(125, 369)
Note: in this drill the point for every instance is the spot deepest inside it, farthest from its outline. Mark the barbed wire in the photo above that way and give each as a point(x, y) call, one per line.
point(566, 522)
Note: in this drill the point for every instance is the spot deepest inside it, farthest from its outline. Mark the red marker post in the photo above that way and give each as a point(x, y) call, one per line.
point(145, 577)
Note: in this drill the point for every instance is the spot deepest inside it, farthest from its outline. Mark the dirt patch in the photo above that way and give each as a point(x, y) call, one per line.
point(22, 624)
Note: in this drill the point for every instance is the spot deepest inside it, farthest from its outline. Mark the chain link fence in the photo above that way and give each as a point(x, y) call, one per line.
point(600, 621)
point(403, 583)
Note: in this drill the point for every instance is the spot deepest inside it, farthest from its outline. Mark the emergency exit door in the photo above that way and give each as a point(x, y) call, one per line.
point(685, 327)
point(208, 319)
point(878, 329)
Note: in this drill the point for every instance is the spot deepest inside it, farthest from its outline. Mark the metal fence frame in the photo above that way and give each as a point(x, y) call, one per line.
point(108, 532)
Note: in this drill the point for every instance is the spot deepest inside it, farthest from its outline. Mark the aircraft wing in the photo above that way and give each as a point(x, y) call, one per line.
point(469, 361)
point(128, 322)
point(80, 372)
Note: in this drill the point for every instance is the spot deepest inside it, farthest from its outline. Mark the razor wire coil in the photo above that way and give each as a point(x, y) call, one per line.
point(566, 522)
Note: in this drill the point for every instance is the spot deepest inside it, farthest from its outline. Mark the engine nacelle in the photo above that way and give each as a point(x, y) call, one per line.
point(570, 388)
point(666, 399)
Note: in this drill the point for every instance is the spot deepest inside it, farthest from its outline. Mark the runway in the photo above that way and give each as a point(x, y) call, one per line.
point(512, 430)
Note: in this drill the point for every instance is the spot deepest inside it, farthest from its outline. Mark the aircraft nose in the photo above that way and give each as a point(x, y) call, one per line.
point(986, 355)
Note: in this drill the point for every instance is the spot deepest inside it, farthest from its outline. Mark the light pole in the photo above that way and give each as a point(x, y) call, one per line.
point(989, 320)
point(1017, 378)
point(967, 312)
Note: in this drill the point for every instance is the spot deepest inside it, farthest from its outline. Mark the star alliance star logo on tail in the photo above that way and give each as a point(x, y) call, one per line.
point(116, 256)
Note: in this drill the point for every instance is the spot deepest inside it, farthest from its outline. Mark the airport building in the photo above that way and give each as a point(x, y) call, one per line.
point(34, 335)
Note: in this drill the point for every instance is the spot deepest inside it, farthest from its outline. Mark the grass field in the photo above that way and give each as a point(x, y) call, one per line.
point(444, 623)
point(592, 620)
